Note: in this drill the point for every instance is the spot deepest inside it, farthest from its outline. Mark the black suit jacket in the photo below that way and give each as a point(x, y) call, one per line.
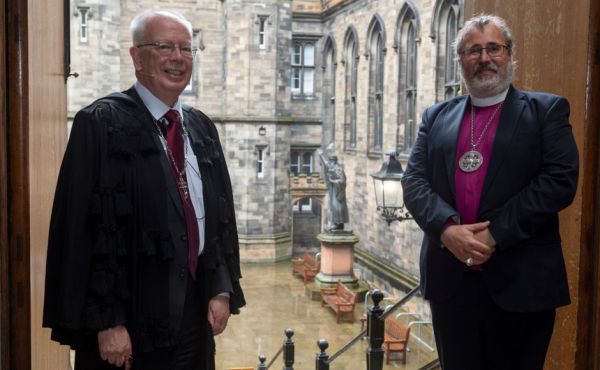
point(117, 250)
point(532, 175)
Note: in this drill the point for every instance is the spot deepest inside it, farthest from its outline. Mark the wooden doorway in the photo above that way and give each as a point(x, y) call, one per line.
point(4, 307)
point(589, 357)
point(32, 140)
point(558, 51)
point(16, 317)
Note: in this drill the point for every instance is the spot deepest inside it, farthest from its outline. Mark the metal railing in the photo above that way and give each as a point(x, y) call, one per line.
point(288, 353)
point(420, 324)
point(368, 294)
point(375, 331)
point(433, 365)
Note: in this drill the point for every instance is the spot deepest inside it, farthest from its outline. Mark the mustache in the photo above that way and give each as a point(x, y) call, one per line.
point(487, 65)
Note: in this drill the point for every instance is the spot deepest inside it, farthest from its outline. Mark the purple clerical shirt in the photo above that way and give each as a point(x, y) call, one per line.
point(470, 184)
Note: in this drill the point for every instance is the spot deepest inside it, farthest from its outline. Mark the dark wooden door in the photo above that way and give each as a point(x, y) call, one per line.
point(16, 318)
point(4, 316)
point(32, 140)
point(558, 51)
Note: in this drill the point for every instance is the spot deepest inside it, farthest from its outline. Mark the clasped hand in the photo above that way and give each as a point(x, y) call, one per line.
point(470, 241)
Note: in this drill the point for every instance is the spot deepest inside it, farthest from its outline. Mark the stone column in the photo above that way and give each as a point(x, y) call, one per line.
point(337, 257)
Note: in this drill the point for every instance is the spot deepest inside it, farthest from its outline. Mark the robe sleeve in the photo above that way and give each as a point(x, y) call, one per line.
point(85, 288)
point(228, 232)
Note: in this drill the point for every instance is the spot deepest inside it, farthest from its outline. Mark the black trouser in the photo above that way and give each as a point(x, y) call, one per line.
point(191, 353)
point(473, 333)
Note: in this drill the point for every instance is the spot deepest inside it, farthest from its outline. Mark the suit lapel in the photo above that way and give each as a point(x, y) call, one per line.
point(451, 123)
point(509, 119)
point(164, 160)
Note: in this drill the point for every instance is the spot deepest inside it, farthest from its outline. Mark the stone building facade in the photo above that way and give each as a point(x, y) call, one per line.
point(281, 78)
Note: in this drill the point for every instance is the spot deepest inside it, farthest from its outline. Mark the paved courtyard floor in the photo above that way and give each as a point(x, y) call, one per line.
point(276, 300)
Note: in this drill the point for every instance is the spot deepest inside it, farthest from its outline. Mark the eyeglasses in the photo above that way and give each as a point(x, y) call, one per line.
point(493, 50)
point(168, 48)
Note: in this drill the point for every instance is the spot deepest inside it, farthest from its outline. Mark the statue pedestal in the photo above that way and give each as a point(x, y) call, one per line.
point(337, 258)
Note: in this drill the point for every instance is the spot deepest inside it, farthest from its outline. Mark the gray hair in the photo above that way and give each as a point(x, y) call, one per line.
point(479, 22)
point(139, 22)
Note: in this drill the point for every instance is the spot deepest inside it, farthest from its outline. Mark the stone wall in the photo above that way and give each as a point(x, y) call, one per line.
point(399, 244)
point(97, 61)
point(245, 87)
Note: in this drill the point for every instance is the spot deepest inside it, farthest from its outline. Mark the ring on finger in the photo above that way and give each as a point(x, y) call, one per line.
point(469, 261)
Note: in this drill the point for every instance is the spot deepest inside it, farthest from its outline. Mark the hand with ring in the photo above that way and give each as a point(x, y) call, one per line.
point(469, 261)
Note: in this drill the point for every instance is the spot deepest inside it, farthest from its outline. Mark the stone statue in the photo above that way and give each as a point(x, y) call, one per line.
point(336, 185)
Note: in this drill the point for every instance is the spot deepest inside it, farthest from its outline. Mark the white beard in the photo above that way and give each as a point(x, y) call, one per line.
point(486, 86)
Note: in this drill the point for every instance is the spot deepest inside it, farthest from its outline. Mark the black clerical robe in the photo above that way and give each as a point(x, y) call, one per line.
point(117, 252)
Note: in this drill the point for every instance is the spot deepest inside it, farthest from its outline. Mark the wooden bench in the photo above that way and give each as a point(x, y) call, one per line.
point(307, 266)
point(395, 338)
point(341, 299)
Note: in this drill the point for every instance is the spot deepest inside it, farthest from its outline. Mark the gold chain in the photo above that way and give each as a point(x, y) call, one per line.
point(181, 181)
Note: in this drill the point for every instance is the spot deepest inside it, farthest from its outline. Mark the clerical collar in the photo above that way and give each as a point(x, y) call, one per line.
point(492, 100)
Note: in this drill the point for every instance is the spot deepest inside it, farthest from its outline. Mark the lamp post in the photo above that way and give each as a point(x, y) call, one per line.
point(388, 190)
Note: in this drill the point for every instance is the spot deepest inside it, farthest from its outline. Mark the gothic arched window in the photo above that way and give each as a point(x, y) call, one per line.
point(447, 21)
point(376, 52)
point(329, 67)
point(350, 85)
point(407, 37)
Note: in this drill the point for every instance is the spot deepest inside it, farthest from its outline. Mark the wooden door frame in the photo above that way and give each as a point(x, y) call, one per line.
point(15, 291)
point(4, 301)
point(588, 342)
point(14, 167)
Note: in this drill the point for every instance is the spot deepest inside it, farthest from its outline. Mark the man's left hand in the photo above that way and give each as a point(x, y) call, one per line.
point(218, 313)
point(486, 237)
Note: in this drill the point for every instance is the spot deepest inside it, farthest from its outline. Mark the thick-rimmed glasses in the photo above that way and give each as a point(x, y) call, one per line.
point(168, 48)
point(493, 50)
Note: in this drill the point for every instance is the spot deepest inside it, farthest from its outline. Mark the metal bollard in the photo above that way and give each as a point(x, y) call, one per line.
point(375, 331)
point(322, 357)
point(288, 350)
point(262, 365)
